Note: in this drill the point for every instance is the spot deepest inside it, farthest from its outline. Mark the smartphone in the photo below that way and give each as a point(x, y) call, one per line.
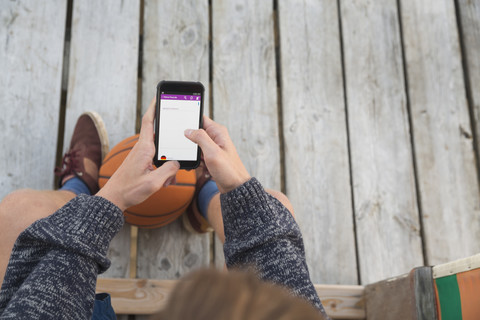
point(179, 107)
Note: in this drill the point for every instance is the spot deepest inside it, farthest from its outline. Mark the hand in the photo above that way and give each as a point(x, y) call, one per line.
point(220, 155)
point(136, 179)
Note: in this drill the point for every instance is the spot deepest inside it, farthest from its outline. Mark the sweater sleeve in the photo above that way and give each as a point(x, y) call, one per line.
point(54, 264)
point(261, 232)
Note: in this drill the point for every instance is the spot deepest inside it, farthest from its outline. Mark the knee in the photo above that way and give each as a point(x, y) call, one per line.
point(280, 196)
point(13, 203)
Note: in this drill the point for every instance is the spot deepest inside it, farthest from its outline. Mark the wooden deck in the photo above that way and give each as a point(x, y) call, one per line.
point(365, 113)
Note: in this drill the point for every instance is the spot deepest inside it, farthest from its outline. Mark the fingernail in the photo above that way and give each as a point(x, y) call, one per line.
point(188, 132)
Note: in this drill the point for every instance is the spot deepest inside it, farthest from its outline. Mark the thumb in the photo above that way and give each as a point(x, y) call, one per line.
point(165, 172)
point(201, 138)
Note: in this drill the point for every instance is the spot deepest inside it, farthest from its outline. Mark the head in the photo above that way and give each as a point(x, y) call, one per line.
point(211, 294)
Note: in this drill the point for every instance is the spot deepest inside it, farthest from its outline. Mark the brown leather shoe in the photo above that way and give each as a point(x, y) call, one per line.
point(88, 147)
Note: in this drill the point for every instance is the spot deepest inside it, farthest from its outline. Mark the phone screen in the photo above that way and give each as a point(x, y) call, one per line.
point(178, 112)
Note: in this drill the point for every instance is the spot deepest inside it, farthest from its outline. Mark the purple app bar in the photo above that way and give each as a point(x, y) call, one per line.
point(179, 97)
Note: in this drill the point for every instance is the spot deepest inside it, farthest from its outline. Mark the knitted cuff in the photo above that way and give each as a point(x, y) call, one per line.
point(84, 225)
point(249, 206)
point(95, 218)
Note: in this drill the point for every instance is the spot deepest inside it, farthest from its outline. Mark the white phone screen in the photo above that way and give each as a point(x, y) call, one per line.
point(178, 112)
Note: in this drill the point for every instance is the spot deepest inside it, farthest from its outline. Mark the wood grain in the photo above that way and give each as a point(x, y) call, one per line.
point(315, 119)
point(31, 55)
point(457, 266)
point(244, 86)
point(148, 296)
point(447, 176)
point(103, 78)
point(314, 128)
point(175, 47)
point(425, 296)
point(171, 252)
point(136, 296)
point(219, 258)
point(410, 296)
point(469, 16)
point(342, 301)
point(386, 213)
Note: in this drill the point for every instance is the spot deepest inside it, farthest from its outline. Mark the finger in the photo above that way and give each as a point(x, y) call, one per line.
point(151, 109)
point(170, 181)
point(207, 122)
point(219, 134)
point(201, 138)
point(147, 121)
point(215, 130)
point(165, 172)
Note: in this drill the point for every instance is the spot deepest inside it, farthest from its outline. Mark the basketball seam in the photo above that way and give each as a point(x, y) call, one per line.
point(134, 138)
point(181, 184)
point(152, 226)
point(116, 153)
point(161, 215)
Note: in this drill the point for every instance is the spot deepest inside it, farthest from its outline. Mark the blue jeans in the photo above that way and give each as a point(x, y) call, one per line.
point(102, 310)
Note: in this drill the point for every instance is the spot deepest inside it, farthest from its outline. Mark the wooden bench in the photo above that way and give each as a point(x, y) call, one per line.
point(445, 291)
point(425, 293)
point(148, 296)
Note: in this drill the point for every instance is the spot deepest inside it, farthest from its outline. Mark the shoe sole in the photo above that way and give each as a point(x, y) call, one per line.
point(187, 224)
point(101, 129)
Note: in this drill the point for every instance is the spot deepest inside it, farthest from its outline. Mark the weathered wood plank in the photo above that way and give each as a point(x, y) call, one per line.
point(31, 56)
point(103, 78)
point(469, 16)
point(175, 47)
point(103, 65)
point(386, 213)
point(425, 300)
point(457, 266)
point(171, 252)
point(137, 296)
point(244, 85)
point(149, 296)
point(315, 133)
point(342, 301)
point(447, 176)
point(219, 258)
point(407, 297)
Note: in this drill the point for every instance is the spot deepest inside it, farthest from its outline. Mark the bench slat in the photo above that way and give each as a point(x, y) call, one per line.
point(148, 296)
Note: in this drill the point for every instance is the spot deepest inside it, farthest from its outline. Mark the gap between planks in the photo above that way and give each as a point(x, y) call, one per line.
point(133, 251)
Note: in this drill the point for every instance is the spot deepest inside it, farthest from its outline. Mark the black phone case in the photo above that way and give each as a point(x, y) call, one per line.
point(178, 87)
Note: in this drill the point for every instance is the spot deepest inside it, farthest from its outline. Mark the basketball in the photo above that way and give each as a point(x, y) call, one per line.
point(161, 208)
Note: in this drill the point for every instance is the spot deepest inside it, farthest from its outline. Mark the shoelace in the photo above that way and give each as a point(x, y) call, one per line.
point(69, 165)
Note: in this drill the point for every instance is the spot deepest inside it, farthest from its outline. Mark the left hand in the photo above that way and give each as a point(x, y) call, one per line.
point(137, 179)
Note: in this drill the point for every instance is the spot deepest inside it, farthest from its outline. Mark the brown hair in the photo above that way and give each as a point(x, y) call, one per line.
point(211, 294)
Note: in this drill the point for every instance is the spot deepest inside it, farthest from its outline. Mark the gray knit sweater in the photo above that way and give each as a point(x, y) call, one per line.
point(54, 264)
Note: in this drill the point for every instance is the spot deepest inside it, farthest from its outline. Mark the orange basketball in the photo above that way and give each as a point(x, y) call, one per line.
point(162, 207)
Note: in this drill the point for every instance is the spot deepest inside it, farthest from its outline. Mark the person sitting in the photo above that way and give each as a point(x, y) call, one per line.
point(62, 237)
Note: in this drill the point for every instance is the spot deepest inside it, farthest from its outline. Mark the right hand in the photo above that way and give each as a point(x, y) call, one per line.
point(136, 179)
point(220, 155)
